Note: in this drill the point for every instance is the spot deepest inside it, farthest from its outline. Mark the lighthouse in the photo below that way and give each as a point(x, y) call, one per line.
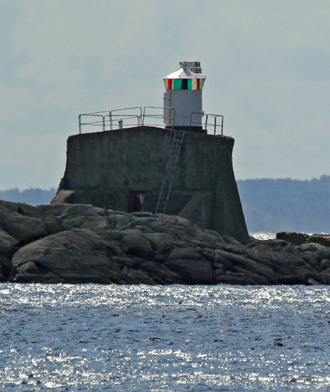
point(183, 97)
point(133, 166)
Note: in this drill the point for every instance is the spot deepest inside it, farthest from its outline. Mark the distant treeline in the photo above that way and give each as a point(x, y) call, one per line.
point(286, 205)
point(33, 196)
point(269, 205)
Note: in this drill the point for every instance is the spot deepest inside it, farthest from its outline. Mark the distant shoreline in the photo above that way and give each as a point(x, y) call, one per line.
point(269, 205)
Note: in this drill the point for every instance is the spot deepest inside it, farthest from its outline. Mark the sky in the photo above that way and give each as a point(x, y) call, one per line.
point(266, 62)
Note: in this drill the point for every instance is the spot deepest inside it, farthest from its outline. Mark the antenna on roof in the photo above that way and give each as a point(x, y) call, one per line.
point(194, 66)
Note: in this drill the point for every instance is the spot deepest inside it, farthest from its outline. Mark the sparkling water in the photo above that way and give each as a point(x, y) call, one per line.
point(263, 236)
point(164, 338)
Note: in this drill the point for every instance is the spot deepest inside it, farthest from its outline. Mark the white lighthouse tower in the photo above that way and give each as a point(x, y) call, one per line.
point(183, 97)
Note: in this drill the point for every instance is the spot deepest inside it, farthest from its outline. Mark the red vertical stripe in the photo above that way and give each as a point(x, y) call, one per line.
point(197, 87)
point(170, 84)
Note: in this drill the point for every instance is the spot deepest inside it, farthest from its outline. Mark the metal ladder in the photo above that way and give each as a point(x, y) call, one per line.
point(174, 147)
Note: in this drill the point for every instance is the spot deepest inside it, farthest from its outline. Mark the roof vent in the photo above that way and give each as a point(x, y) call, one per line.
point(194, 66)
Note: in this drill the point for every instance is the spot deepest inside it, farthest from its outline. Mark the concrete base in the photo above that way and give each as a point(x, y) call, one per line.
point(113, 169)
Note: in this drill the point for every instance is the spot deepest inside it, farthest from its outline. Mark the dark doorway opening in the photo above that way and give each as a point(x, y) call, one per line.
point(138, 200)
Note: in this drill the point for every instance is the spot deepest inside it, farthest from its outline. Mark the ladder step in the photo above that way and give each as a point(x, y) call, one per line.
point(174, 147)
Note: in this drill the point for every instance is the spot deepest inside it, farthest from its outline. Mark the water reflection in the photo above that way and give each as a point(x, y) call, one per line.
point(138, 338)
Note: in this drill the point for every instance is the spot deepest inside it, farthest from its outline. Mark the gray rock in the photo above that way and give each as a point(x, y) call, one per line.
point(219, 269)
point(74, 210)
point(322, 253)
point(233, 278)
point(249, 265)
point(83, 216)
point(308, 248)
point(220, 259)
point(7, 246)
point(311, 260)
point(136, 244)
point(293, 238)
point(322, 239)
point(40, 213)
point(17, 224)
point(193, 271)
point(258, 279)
point(323, 277)
point(110, 235)
point(52, 224)
point(160, 242)
point(83, 243)
point(138, 277)
point(126, 261)
point(185, 254)
point(119, 220)
point(160, 273)
point(325, 264)
point(206, 239)
point(6, 267)
point(208, 254)
point(143, 214)
point(78, 255)
point(7, 243)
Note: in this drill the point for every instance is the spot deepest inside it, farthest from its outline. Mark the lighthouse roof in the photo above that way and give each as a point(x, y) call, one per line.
point(184, 73)
point(188, 77)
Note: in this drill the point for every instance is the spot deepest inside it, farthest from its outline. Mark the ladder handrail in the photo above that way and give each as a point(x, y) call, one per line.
point(174, 148)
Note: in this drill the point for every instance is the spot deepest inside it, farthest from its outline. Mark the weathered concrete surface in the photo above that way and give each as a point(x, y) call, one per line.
point(84, 243)
point(107, 169)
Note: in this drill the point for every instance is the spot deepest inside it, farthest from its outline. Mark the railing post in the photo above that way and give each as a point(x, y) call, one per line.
point(143, 115)
point(140, 122)
point(103, 123)
point(79, 117)
point(110, 118)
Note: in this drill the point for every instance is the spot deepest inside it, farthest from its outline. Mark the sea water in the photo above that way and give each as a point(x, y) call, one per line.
point(164, 338)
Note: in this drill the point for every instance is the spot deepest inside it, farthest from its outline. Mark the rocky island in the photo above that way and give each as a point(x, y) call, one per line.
point(81, 243)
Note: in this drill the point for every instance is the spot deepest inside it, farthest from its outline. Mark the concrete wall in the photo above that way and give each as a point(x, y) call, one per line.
point(108, 168)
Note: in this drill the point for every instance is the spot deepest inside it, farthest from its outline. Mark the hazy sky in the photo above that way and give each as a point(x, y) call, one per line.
point(267, 64)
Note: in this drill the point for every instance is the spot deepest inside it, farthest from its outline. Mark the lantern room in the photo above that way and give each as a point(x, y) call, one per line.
point(183, 97)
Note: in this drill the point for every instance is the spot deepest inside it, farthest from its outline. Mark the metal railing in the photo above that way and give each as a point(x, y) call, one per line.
point(208, 122)
point(126, 117)
point(94, 123)
point(154, 115)
point(216, 124)
point(147, 116)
